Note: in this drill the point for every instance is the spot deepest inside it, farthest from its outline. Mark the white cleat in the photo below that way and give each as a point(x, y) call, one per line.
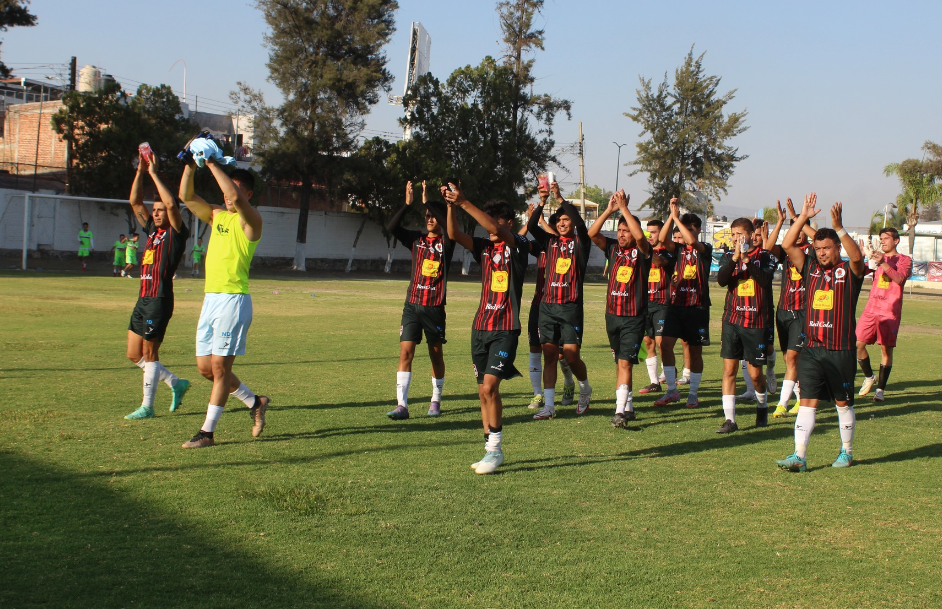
point(867, 385)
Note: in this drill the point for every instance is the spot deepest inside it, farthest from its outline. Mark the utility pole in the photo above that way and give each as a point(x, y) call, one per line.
point(72, 66)
point(582, 167)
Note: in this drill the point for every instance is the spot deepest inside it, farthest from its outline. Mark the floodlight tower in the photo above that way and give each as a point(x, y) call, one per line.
point(420, 48)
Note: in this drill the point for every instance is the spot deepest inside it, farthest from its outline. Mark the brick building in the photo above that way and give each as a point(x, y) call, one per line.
point(25, 125)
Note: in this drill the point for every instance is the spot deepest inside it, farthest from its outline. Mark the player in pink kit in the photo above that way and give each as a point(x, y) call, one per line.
point(880, 320)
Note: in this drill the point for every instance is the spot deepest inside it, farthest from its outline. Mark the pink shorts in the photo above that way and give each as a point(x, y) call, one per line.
point(874, 329)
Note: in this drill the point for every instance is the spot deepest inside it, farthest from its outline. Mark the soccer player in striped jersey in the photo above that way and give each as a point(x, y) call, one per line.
point(688, 316)
point(424, 309)
point(747, 274)
point(166, 243)
point(879, 322)
point(626, 302)
point(659, 283)
point(790, 313)
point(495, 332)
point(561, 312)
point(828, 362)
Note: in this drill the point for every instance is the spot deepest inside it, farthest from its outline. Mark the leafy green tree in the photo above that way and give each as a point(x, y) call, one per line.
point(326, 57)
point(686, 129)
point(770, 214)
point(596, 194)
point(895, 218)
point(14, 13)
point(919, 189)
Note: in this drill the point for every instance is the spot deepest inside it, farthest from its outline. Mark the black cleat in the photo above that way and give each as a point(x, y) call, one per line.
point(728, 427)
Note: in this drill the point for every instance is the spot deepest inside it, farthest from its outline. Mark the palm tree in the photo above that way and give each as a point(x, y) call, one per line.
point(919, 189)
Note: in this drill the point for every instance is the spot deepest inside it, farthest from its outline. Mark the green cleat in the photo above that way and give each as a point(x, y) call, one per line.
point(793, 463)
point(179, 390)
point(844, 459)
point(569, 392)
point(144, 412)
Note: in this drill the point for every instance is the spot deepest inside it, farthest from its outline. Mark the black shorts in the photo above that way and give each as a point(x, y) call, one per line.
point(791, 329)
point(690, 324)
point(494, 353)
point(749, 344)
point(657, 314)
point(826, 374)
point(533, 324)
point(561, 324)
point(418, 318)
point(151, 317)
point(624, 336)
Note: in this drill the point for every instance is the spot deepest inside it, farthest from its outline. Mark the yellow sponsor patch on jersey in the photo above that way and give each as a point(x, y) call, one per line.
point(883, 282)
point(499, 281)
point(654, 276)
point(624, 274)
point(563, 265)
point(430, 268)
point(149, 257)
point(746, 289)
point(690, 271)
point(794, 274)
point(823, 300)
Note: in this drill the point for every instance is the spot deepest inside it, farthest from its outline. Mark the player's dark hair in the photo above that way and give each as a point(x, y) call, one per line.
point(245, 177)
point(121, 235)
point(438, 209)
point(84, 223)
point(891, 231)
point(743, 223)
point(499, 209)
point(691, 220)
point(675, 231)
point(827, 233)
point(554, 218)
point(656, 223)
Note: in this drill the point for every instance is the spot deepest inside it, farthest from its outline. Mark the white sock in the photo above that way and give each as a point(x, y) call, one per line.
point(760, 398)
point(729, 407)
point(549, 399)
point(493, 441)
point(151, 378)
point(847, 420)
point(804, 425)
point(213, 413)
point(244, 394)
point(629, 405)
point(437, 385)
point(750, 388)
point(536, 373)
point(402, 388)
point(685, 374)
point(584, 386)
point(695, 378)
point(567, 371)
point(169, 378)
point(621, 398)
point(670, 373)
point(787, 388)
point(140, 364)
point(797, 391)
point(651, 363)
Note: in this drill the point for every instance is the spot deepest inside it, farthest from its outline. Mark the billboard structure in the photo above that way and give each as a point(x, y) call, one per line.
point(420, 49)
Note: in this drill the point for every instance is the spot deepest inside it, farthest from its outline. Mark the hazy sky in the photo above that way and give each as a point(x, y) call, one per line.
point(835, 90)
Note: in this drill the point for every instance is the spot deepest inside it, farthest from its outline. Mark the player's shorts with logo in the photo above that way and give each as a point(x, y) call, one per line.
point(533, 324)
point(223, 327)
point(419, 318)
point(624, 335)
point(494, 352)
point(826, 374)
point(655, 318)
point(749, 344)
point(151, 317)
point(561, 324)
point(691, 324)
point(873, 328)
point(791, 329)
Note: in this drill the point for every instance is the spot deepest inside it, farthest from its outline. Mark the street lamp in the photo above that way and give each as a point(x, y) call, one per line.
point(618, 164)
point(886, 210)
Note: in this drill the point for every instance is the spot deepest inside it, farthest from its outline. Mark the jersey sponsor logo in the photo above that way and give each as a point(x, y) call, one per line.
point(221, 230)
point(425, 287)
point(883, 282)
point(746, 289)
point(494, 307)
point(499, 281)
point(562, 266)
point(430, 268)
point(820, 324)
point(794, 274)
point(559, 284)
point(823, 301)
point(618, 294)
point(654, 276)
point(747, 309)
point(690, 271)
point(149, 257)
point(624, 273)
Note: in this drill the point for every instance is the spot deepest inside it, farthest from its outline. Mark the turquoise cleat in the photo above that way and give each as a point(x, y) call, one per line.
point(179, 390)
point(793, 463)
point(144, 412)
point(844, 459)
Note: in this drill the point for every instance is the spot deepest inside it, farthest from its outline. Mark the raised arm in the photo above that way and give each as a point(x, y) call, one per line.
point(595, 231)
point(169, 201)
point(250, 217)
point(771, 239)
point(456, 234)
point(689, 237)
point(634, 227)
point(195, 203)
point(809, 232)
point(790, 243)
point(664, 237)
point(850, 246)
point(137, 193)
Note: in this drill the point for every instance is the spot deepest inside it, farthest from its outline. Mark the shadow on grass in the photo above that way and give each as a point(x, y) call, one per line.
point(933, 451)
point(70, 542)
point(239, 364)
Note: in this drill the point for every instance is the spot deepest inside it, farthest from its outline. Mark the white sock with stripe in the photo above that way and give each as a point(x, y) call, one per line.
point(804, 425)
point(403, 379)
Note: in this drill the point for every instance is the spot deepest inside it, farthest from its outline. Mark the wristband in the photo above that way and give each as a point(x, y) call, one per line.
point(841, 233)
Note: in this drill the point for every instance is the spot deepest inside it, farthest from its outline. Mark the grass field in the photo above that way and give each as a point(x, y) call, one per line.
point(337, 506)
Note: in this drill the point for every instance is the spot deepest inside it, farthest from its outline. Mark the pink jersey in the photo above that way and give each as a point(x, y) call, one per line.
point(886, 294)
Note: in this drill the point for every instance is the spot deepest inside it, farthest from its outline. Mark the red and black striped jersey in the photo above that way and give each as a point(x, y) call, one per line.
point(162, 255)
point(566, 262)
point(792, 296)
point(431, 258)
point(627, 289)
point(748, 284)
point(659, 277)
point(830, 305)
point(693, 271)
point(539, 250)
point(503, 267)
